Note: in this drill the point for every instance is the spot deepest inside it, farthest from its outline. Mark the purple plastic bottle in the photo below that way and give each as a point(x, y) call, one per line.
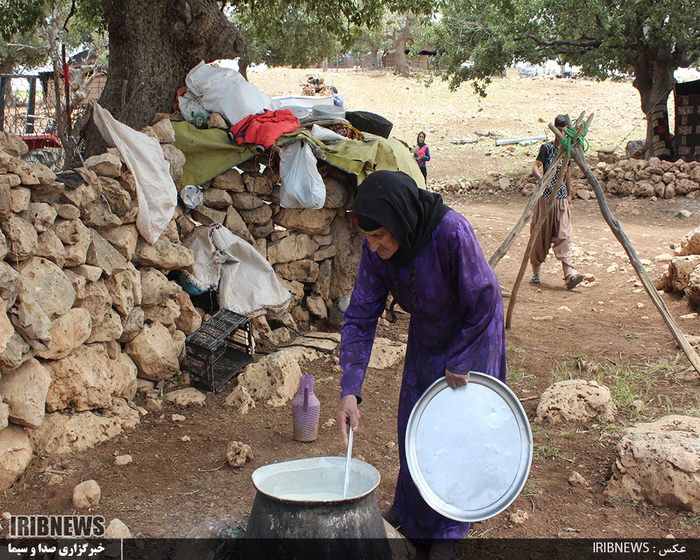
point(306, 411)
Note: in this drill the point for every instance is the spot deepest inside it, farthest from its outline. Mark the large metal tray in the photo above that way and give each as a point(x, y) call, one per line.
point(469, 449)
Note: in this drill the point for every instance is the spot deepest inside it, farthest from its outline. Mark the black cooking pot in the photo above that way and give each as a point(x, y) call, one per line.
point(299, 512)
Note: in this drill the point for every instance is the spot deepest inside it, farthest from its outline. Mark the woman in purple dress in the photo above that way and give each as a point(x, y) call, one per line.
point(426, 255)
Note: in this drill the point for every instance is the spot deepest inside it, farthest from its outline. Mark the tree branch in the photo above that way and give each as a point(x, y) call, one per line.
point(590, 43)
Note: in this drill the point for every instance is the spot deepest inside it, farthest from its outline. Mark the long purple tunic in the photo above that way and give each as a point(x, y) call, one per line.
point(456, 323)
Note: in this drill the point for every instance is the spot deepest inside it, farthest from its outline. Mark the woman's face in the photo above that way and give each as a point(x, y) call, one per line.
point(421, 137)
point(382, 242)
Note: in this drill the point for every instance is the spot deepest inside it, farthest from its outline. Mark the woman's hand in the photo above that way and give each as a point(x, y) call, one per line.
point(348, 416)
point(454, 380)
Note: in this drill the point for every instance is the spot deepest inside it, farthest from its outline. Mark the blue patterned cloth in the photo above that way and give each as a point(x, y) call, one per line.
point(456, 310)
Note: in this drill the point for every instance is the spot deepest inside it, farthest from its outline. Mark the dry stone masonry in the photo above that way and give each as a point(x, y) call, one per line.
point(90, 309)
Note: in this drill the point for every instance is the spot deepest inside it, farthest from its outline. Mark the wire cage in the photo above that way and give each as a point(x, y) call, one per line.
point(218, 350)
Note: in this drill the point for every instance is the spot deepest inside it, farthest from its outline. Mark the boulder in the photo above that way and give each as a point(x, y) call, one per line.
point(659, 462)
point(132, 325)
point(217, 198)
point(76, 239)
point(25, 390)
point(87, 494)
point(245, 201)
point(156, 287)
point(83, 380)
point(576, 400)
point(20, 198)
point(164, 131)
point(235, 223)
point(298, 271)
point(165, 312)
point(117, 529)
point(67, 333)
point(61, 434)
point(21, 238)
point(347, 238)
point(257, 217)
point(175, 158)
point(15, 454)
point(16, 352)
point(6, 329)
point(107, 165)
point(9, 284)
point(96, 300)
point(293, 247)
point(163, 255)
point(240, 399)
point(309, 221)
point(117, 196)
point(41, 215)
point(230, 180)
point(386, 353)
point(121, 289)
point(257, 184)
point(189, 320)
point(49, 246)
point(155, 353)
point(336, 193)
point(46, 283)
point(109, 329)
point(124, 377)
point(101, 253)
point(186, 397)
point(274, 379)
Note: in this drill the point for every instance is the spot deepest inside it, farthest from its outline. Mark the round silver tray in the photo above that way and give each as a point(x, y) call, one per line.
point(469, 449)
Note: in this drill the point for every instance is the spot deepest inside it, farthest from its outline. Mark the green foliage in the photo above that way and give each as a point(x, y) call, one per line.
point(478, 40)
point(293, 38)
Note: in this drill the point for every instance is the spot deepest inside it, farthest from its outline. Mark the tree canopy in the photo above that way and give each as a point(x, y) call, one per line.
point(649, 39)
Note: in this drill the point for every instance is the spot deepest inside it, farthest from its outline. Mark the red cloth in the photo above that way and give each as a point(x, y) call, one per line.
point(264, 128)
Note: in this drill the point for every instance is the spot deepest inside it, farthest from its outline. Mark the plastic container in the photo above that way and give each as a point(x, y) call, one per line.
point(306, 411)
point(328, 111)
point(298, 111)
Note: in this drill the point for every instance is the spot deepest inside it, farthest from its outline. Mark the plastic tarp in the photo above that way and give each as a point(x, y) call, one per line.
point(224, 91)
point(155, 189)
point(210, 153)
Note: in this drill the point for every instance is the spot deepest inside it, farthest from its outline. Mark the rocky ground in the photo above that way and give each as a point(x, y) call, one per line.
point(607, 330)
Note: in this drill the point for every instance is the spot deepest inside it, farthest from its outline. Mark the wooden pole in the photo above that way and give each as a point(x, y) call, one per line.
point(616, 228)
point(531, 242)
point(527, 214)
point(536, 229)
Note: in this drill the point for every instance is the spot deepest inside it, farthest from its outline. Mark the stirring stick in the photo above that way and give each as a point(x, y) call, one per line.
point(347, 464)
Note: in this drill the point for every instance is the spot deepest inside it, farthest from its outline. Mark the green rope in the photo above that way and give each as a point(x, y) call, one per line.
point(568, 140)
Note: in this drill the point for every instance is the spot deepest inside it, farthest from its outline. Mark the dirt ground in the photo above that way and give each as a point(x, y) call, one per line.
point(609, 321)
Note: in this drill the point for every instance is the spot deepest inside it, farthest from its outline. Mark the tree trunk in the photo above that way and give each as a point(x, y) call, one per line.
point(152, 47)
point(401, 64)
point(373, 56)
point(654, 81)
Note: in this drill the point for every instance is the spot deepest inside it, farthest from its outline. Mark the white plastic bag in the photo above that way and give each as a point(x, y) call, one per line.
point(155, 189)
point(326, 135)
point(301, 183)
point(225, 91)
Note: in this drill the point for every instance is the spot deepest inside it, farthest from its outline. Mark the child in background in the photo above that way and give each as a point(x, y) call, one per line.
point(422, 154)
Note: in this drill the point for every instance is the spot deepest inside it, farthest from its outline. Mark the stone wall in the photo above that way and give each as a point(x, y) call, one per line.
point(624, 177)
point(89, 306)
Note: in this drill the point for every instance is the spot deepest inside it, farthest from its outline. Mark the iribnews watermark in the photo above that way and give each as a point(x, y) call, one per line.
point(38, 526)
point(658, 547)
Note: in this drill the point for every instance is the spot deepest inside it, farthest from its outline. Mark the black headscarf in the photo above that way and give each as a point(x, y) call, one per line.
point(392, 199)
point(420, 144)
